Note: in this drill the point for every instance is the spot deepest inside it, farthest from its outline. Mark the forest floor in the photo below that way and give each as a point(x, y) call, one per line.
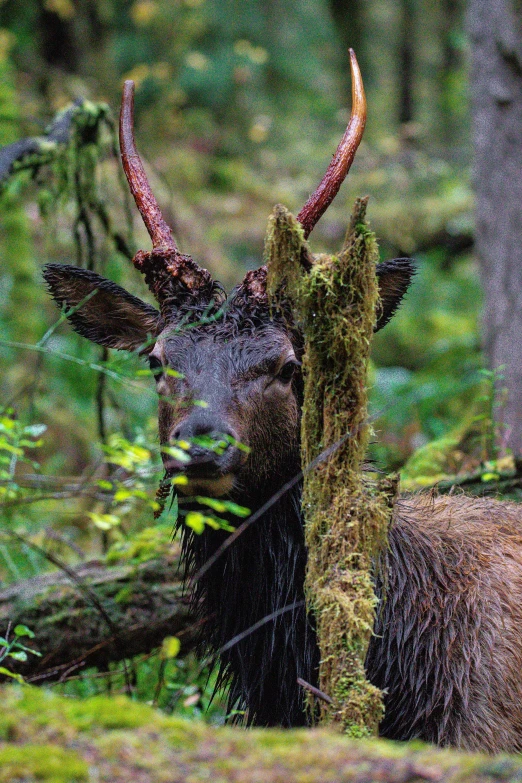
point(49, 738)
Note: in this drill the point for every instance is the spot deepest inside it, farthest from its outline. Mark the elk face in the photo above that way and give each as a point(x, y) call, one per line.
point(233, 378)
point(230, 402)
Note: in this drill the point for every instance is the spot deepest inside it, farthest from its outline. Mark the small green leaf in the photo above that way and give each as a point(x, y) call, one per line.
point(196, 521)
point(170, 647)
point(173, 451)
point(19, 655)
point(104, 521)
point(179, 481)
point(23, 630)
point(183, 444)
point(490, 477)
point(234, 508)
point(7, 673)
point(213, 503)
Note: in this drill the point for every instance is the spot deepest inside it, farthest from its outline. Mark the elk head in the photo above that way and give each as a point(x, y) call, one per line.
point(226, 368)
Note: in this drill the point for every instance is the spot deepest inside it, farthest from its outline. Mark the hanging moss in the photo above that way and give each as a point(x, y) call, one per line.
point(346, 518)
point(65, 164)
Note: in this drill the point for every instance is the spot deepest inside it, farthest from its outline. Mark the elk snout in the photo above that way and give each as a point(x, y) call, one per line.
point(214, 456)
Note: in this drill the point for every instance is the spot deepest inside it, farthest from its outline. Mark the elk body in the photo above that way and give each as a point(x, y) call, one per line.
point(447, 647)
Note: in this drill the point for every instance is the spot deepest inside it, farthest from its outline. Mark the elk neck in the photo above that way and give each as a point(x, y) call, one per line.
point(260, 575)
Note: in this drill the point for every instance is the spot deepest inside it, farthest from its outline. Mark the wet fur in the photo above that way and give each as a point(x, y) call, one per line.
point(448, 637)
point(447, 647)
point(263, 572)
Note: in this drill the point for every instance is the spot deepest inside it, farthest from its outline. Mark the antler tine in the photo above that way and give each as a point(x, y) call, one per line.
point(174, 279)
point(339, 167)
point(159, 231)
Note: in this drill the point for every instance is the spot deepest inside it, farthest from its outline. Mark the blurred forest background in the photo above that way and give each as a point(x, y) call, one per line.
point(239, 105)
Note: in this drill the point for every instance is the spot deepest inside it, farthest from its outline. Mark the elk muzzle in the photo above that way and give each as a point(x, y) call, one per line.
point(212, 455)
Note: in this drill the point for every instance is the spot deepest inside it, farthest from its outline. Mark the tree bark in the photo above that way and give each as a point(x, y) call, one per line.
point(495, 30)
point(346, 520)
point(105, 614)
point(406, 59)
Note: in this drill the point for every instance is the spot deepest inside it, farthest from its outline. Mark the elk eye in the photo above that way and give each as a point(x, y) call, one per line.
point(156, 367)
point(286, 373)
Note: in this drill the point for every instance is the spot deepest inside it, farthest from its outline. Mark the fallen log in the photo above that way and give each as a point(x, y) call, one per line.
point(95, 614)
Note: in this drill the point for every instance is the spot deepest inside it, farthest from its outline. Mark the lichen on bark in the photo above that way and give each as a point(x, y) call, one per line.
point(334, 303)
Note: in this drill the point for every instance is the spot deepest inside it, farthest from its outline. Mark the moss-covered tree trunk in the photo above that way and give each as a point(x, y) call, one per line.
point(346, 518)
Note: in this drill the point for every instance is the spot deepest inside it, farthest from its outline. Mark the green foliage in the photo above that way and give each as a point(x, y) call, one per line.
point(14, 648)
point(15, 440)
point(234, 112)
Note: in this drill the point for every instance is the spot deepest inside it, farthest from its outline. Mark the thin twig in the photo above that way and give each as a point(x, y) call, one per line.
point(315, 691)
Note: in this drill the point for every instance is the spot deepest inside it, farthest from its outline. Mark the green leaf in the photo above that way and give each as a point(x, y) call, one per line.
point(17, 677)
point(489, 477)
point(18, 655)
point(104, 521)
point(179, 480)
point(23, 630)
point(196, 521)
point(234, 508)
point(173, 451)
point(170, 647)
point(213, 503)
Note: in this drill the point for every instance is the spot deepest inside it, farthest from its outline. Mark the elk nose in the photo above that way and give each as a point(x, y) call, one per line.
point(210, 446)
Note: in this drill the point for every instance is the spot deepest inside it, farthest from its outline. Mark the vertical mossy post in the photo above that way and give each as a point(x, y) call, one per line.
point(334, 303)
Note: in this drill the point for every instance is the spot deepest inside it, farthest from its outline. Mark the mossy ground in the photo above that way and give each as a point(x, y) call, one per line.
point(52, 739)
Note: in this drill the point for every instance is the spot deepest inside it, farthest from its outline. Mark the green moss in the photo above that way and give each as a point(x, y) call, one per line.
point(116, 713)
point(42, 762)
point(61, 740)
point(346, 519)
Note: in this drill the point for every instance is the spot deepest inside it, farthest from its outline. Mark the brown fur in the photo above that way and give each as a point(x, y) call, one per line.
point(448, 637)
point(447, 647)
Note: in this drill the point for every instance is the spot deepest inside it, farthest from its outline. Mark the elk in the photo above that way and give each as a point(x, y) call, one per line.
point(447, 647)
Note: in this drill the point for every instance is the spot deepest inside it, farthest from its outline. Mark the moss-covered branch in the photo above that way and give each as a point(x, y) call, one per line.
point(51, 739)
point(346, 518)
point(141, 602)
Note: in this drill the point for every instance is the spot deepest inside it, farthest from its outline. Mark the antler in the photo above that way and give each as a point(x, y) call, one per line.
point(339, 167)
point(171, 276)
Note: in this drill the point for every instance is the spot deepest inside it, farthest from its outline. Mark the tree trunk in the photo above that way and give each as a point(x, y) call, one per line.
point(348, 17)
point(406, 58)
point(495, 29)
point(346, 519)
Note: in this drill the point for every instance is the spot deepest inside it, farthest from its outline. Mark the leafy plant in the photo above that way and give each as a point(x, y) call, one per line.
point(15, 649)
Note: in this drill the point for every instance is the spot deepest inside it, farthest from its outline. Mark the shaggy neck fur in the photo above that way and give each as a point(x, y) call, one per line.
point(261, 573)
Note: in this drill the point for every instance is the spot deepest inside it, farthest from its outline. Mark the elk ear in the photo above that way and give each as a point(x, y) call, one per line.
point(393, 278)
point(110, 315)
